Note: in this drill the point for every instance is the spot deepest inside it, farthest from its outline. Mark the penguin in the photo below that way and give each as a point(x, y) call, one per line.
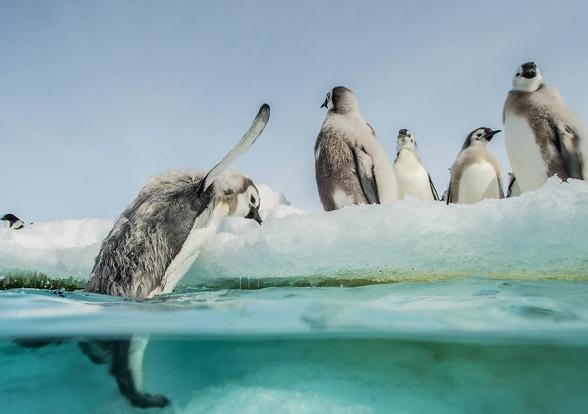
point(13, 222)
point(350, 164)
point(475, 174)
point(411, 176)
point(513, 186)
point(543, 136)
point(156, 240)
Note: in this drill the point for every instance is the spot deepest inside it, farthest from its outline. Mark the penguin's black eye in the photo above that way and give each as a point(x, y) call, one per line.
point(518, 74)
point(252, 200)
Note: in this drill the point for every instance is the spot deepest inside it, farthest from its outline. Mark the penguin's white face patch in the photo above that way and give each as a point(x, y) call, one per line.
point(246, 201)
point(478, 136)
point(521, 83)
point(406, 141)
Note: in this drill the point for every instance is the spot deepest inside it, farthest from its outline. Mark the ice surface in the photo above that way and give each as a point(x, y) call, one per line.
point(61, 248)
point(540, 234)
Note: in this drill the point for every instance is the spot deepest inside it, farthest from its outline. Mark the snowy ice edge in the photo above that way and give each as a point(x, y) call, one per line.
point(540, 234)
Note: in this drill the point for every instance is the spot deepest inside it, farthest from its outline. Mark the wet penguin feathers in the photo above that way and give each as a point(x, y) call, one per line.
point(139, 256)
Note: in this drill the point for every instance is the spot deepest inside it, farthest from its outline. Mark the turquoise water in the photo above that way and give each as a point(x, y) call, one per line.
point(470, 345)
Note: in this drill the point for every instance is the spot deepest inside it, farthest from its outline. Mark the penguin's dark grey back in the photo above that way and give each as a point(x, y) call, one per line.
point(335, 168)
point(149, 234)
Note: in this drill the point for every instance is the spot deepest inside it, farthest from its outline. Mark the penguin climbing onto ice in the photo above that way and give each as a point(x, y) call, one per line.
point(475, 174)
point(156, 240)
point(350, 164)
point(543, 136)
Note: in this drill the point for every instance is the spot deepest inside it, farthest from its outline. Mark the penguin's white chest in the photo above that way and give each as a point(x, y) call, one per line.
point(524, 154)
point(478, 181)
point(412, 177)
point(204, 228)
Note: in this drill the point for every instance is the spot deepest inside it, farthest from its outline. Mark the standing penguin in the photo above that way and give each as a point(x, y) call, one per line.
point(12, 221)
point(350, 164)
point(154, 243)
point(543, 136)
point(475, 174)
point(411, 176)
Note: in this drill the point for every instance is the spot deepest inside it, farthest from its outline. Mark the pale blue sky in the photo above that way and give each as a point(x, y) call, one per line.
point(96, 97)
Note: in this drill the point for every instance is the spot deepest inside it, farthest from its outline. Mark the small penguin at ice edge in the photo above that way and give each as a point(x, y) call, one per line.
point(412, 178)
point(156, 240)
point(351, 165)
point(543, 136)
point(12, 221)
point(513, 186)
point(475, 174)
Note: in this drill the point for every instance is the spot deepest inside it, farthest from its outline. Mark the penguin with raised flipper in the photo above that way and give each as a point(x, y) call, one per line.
point(154, 243)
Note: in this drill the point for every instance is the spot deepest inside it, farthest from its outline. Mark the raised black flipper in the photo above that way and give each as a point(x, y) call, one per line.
point(254, 131)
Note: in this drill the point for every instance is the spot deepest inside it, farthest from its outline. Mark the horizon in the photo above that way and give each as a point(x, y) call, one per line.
point(99, 97)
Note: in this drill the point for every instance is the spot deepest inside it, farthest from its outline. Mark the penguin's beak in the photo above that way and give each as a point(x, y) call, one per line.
point(491, 134)
point(254, 215)
point(324, 105)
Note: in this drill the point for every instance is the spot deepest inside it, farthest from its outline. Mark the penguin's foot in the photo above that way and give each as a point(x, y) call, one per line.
point(145, 400)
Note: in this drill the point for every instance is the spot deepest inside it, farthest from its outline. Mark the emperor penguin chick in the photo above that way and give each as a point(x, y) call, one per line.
point(411, 176)
point(350, 164)
point(543, 136)
point(475, 174)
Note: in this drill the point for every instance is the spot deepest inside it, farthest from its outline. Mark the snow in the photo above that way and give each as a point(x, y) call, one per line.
point(539, 234)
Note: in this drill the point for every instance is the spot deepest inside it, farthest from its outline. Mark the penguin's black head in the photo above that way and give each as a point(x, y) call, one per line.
point(254, 201)
point(480, 135)
point(11, 218)
point(527, 78)
point(528, 70)
point(405, 141)
point(340, 99)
